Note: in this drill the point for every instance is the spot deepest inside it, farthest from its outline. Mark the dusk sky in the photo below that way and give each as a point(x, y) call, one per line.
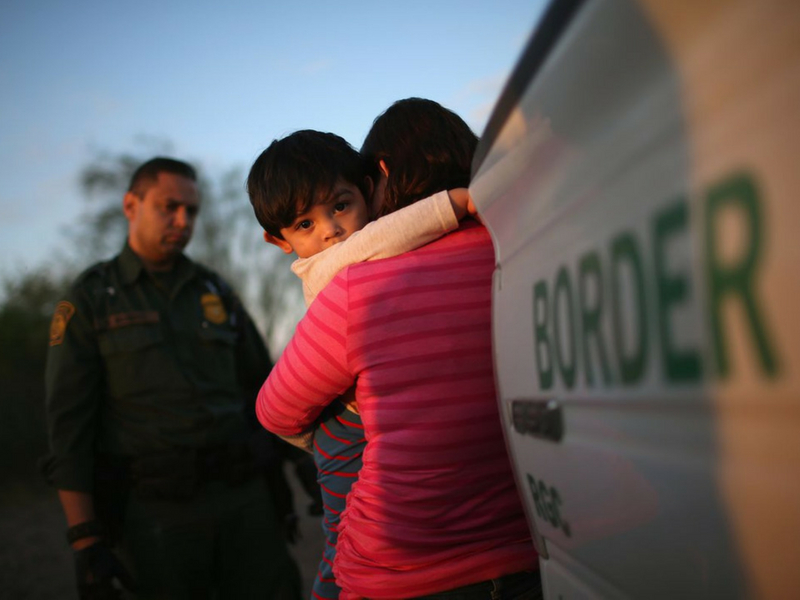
point(219, 81)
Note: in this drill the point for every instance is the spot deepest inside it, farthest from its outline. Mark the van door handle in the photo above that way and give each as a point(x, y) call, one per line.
point(540, 418)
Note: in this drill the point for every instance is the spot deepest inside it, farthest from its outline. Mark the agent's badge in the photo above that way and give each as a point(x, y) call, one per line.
point(213, 309)
point(58, 326)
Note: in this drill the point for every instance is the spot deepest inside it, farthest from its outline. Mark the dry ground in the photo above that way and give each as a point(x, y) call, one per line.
point(35, 562)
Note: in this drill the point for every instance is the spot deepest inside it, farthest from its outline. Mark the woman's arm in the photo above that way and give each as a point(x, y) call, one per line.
point(313, 369)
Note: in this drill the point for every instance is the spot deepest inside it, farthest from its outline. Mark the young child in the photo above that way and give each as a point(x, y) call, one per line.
point(309, 192)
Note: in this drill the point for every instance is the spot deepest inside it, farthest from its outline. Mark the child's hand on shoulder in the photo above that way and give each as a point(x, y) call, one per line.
point(462, 203)
point(349, 400)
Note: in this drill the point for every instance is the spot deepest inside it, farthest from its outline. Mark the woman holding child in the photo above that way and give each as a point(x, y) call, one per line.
point(435, 512)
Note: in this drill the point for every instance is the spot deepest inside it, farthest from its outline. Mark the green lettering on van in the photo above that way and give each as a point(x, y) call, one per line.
point(731, 281)
point(537, 501)
point(672, 289)
point(625, 250)
point(547, 502)
point(544, 362)
point(591, 316)
point(566, 365)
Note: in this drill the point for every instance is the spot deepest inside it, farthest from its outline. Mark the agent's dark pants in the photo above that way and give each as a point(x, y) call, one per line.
point(223, 543)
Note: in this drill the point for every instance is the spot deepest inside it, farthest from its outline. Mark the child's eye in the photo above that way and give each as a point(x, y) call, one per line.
point(339, 206)
point(304, 224)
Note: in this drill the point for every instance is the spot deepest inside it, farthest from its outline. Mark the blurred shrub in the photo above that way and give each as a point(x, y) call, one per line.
point(28, 303)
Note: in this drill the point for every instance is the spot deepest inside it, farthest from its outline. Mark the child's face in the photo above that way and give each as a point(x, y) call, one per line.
point(326, 223)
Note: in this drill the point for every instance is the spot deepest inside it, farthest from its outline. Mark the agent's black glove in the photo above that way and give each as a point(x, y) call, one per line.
point(291, 528)
point(306, 472)
point(96, 568)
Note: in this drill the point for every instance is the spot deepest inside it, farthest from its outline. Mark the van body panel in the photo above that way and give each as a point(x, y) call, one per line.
point(641, 191)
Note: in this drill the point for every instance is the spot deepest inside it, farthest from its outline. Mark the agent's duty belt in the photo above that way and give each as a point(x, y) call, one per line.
point(179, 474)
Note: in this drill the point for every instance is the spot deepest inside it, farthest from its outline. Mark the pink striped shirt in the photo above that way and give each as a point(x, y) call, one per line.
point(435, 506)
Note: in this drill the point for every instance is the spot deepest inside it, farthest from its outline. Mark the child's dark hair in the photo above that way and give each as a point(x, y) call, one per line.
point(426, 147)
point(295, 172)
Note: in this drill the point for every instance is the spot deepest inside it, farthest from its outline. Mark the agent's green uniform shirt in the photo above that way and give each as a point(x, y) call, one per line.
point(141, 363)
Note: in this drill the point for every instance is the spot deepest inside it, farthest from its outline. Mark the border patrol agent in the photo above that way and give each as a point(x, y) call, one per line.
point(151, 359)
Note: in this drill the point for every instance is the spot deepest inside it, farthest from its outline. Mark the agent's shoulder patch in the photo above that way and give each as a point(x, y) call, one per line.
point(213, 308)
point(58, 326)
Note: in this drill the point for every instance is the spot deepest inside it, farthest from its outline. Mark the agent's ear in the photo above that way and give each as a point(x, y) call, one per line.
point(129, 203)
point(369, 186)
point(279, 242)
point(384, 169)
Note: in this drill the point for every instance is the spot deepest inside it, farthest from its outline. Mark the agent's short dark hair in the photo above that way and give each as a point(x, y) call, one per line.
point(295, 172)
point(426, 147)
point(147, 173)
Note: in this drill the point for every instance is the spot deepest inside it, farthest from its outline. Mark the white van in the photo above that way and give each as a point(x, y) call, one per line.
point(640, 177)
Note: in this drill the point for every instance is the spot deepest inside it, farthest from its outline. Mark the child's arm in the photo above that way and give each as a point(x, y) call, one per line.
point(403, 230)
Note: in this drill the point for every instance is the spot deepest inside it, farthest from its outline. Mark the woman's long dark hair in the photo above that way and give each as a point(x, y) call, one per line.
point(426, 147)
